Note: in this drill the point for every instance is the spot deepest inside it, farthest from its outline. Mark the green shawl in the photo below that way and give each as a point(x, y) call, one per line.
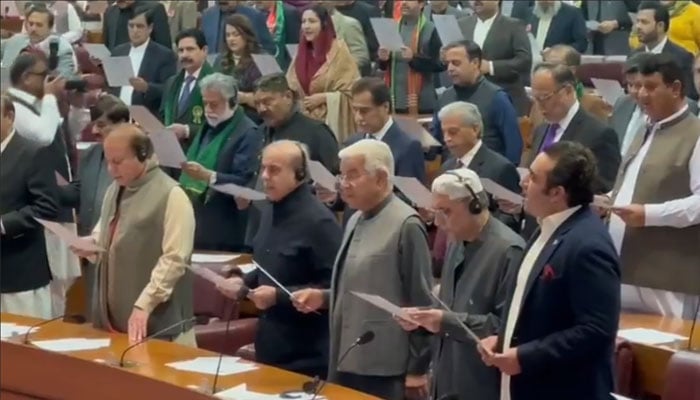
point(170, 111)
point(209, 154)
point(279, 32)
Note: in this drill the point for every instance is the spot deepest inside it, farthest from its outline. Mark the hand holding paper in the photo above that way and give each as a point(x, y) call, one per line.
point(384, 304)
point(322, 176)
point(118, 71)
point(414, 190)
point(167, 149)
point(387, 33)
point(69, 237)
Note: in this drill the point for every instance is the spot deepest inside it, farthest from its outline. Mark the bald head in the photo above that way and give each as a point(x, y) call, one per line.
point(126, 149)
point(562, 54)
point(283, 162)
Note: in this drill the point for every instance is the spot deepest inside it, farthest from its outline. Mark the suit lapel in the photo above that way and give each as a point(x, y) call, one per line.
point(535, 25)
point(454, 260)
point(570, 132)
point(467, 26)
point(144, 63)
point(493, 34)
point(539, 138)
point(478, 161)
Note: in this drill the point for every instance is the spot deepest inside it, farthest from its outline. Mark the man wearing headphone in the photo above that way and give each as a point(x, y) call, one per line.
point(147, 229)
point(296, 241)
point(482, 258)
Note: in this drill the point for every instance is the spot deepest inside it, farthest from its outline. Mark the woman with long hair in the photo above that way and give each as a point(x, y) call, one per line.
point(236, 60)
point(323, 72)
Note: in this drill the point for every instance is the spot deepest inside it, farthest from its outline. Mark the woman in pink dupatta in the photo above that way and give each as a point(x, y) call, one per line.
point(323, 72)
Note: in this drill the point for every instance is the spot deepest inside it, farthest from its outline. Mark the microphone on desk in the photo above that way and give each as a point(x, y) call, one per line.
point(48, 321)
point(224, 343)
point(149, 337)
point(363, 339)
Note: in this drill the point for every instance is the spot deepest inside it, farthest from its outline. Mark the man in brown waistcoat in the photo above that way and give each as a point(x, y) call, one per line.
point(655, 223)
point(147, 229)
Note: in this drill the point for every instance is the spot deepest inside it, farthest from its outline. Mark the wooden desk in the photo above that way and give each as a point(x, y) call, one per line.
point(151, 357)
point(651, 361)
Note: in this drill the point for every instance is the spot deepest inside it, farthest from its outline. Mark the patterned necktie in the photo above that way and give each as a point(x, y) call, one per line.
point(549, 136)
point(186, 92)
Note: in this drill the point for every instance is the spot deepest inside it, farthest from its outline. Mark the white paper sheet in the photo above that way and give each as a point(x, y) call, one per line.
point(292, 50)
point(592, 25)
point(246, 268)
point(414, 190)
point(649, 336)
point(69, 237)
point(239, 191)
point(447, 28)
point(241, 392)
point(466, 329)
point(382, 303)
point(202, 258)
point(609, 89)
point(167, 149)
point(499, 192)
point(9, 9)
point(84, 145)
point(208, 365)
point(523, 172)
point(618, 397)
point(273, 279)
point(387, 32)
point(9, 329)
point(98, 51)
point(118, 71)
point(60, 180)
point(267, 64)
point(322, 176)
point(72, 344)
point(148, 121)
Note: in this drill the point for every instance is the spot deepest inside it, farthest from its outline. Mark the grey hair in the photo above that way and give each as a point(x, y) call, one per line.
point(224, 84)
point(300, 160)
point(468, 112)
point(377, 156)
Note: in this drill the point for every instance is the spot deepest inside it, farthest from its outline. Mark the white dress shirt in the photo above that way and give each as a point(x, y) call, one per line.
point(467, 158)
point(41, 128)
point(678, 213)
point(542, 29)
point(548, 226)
point(634, 128)
point(380, 135)
point(6, 141)
point(136, 55)
point(481, 31)
point(566, 121)
point(659, 47)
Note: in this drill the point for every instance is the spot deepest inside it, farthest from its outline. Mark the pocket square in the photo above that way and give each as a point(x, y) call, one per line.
point(547, 273)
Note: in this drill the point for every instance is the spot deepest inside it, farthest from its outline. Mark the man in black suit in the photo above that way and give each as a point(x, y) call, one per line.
point(115, 28)
point(28, 191)
point(560, 321)
point(554, 22)
point(507, 54)
point(152, 62)
point(653, 21)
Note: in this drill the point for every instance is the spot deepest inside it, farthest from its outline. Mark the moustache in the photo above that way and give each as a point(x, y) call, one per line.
point(185, 60)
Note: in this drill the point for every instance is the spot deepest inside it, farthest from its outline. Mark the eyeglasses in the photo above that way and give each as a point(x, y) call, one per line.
point(42, 74)
point(543, 98)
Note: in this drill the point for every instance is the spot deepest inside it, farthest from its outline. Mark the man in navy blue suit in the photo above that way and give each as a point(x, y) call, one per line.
point(558, 334)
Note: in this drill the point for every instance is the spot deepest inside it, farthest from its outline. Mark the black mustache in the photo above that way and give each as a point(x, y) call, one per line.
point(185, 59)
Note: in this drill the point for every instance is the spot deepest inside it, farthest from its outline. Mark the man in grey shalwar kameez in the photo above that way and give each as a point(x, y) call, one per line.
point(384, 252)
point(481, 262)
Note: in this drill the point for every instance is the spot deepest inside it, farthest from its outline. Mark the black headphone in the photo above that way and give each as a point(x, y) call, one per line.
point(301, 173)
point(474, 206)
point(142, 147)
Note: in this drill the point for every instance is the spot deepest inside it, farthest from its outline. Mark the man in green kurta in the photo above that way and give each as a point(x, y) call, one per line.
point(182, 109)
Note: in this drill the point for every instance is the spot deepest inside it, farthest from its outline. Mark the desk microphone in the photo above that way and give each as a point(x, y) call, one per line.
point(48, 321)
point(149, 337)
point(223, 348)
point(365, 338)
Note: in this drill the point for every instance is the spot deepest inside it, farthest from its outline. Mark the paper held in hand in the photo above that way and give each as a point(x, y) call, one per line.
point(239, 191)
point(447, 28)
point(414, 190)
point(384, 304)
point(322, 176)
point(464, 326)
point(167, 149)
point(69, 237)
point(501, 193)
point(118, 71)
point(143, 117)
point(602, 201)
point(387, 32)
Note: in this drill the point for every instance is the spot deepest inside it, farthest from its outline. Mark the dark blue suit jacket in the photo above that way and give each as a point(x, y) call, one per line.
point(565, 333)
point(216, 38)
point(407, 151)
point(567, 27)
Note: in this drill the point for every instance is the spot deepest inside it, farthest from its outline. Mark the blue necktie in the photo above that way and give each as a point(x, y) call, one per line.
point(186, 92)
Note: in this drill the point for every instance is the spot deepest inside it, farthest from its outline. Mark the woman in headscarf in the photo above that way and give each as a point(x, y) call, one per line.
point(236, 60)
point(323, 72)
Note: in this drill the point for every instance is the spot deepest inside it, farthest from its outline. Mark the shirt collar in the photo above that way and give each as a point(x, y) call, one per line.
point(487, 21)
point(142, 47)
point(469, 156)
point(564, 123)
point(4, 143)
point(671, 118)
point(659, 47)
point(550, 223)
point(380, 135)
point(196, 73)
point(22, 95)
